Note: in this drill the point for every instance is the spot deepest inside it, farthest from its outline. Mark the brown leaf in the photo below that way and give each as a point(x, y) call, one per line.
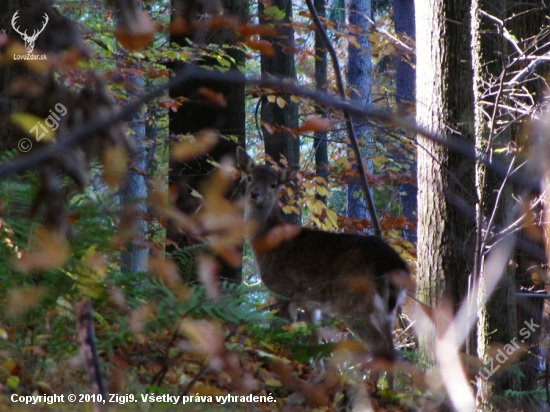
point(139, 317)
point(208, 275)
point(207, 337)
point(260, 30)
point(275, 237)
point(261, 46)
point(21, 300)
point(49, 250)
point(114, 165)
point(165, 270)
point(201, 144)
point(313, 124)
point(213, 97)
point(139, 36)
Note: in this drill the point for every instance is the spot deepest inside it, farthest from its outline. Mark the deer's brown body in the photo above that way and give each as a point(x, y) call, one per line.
point(354, 276)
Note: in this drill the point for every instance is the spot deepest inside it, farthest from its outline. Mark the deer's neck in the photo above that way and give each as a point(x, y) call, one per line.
point(264, 220)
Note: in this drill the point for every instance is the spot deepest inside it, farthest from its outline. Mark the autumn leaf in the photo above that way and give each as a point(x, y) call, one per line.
point(281, 102)
point(208, 275)
point(202, 143)
point(215, 98)
point(139, 317)
point(33, 125)
point(313, 124)
point(21, 300)
point(259, 30)
point(139, 36)
point(261, 46)
point(275, 237)
point(207, 337)
point(48, 250)
point(165, 270)
point(114, 163)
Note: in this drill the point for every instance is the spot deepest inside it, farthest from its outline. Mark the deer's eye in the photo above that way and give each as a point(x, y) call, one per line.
point(273, 185)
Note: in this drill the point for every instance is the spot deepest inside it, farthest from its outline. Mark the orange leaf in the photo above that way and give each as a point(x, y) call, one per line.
point(260, 30)
point(201, 144)
point(313, 124)
point(275, 237)
point(261, 46)
point(213, 97)
point(139, 36)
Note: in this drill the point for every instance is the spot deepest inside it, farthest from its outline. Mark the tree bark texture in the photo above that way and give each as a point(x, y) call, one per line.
point(445, 180)
point(275, 120)
point(198, 113)
point(497, 318)
point(403, 18)
point(359, 83)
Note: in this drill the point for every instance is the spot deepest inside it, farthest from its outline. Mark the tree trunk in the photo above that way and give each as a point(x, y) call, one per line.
point(274, 118)
point(403, 18)
point(497, 318)
point(197, 114)
point(320, 138)
point(133, 191)
point(445, 181)
point(359, 83)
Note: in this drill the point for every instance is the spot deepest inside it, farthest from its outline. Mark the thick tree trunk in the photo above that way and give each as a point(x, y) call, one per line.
point(359, 83)
point(197, 114)
point(445, 181)
point(276, 119)
point(497, 318)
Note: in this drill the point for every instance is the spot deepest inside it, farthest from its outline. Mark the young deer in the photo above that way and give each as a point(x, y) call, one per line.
point(358, 277)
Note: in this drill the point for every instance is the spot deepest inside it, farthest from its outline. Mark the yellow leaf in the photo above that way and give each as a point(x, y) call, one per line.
point(114, 165)
point(295, 99)
point(322, 190)
point(281, 102)
point(333, 217)
point(271, 98)
point(95, 261)
point(34, 126)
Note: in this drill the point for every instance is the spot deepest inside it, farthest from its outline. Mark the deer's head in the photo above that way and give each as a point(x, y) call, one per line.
point(29, 40)
point(263, 183)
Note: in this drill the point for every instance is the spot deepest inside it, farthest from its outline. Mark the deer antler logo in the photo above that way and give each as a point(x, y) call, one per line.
point(29, 40)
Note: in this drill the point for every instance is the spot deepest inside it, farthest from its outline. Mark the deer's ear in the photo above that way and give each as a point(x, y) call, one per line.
point(244, 161)
point(288, 174)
